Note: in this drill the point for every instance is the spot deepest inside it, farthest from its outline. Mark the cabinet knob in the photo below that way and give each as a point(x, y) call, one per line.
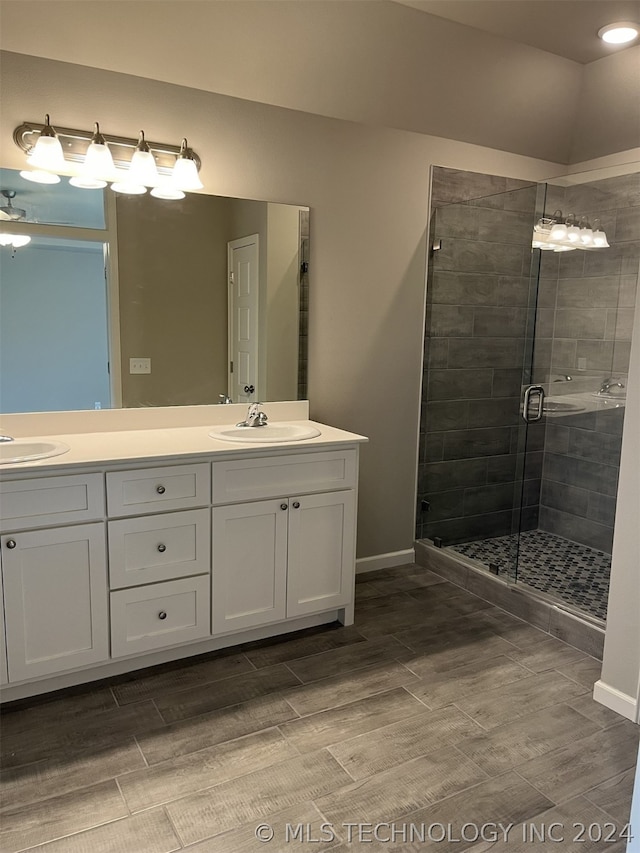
point(296, 504)
point(284, 506)
point(162, 614)
point(162, 548)
point(160, 490)
point(11, 543)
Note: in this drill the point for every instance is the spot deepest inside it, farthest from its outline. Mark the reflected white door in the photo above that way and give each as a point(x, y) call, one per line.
point(242, 261)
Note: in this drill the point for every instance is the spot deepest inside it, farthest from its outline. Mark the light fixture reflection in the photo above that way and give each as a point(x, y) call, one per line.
point(38, 176)
point(168, 192)
point(14, 240)
point(558, 234)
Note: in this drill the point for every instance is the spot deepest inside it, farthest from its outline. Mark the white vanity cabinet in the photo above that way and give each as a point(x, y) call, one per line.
point(55, 578)
point(114, 567)
point(291, 555)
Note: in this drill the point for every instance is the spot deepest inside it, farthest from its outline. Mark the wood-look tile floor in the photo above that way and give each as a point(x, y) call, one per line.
point(436, 713)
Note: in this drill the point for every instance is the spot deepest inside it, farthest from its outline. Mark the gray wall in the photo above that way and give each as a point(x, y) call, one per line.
point(587, 310)
point(368, 61)
point(477, 311)
point(367, 189)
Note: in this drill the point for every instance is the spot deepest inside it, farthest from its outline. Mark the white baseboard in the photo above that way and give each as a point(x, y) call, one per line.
point(616, 700)
point(385, 561)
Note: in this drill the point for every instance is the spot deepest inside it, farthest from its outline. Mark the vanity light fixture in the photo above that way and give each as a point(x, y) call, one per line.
point(92, 159)
point(47, 152)
point(98, 166)
point(185, 172)
point(622, 32)
point(560, 234)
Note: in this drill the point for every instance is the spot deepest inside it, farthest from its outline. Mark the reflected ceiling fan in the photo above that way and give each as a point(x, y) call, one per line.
point(7, 211)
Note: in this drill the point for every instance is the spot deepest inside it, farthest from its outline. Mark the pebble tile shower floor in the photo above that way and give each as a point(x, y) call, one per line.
point(576, 574)
point(436, 708)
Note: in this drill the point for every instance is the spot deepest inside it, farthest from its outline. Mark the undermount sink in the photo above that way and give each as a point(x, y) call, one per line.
point(268, 433)
point(24, 450)
point(561, 406)
point(604, 396)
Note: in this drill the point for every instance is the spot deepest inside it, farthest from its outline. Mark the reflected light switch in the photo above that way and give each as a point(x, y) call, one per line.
point(139, 365)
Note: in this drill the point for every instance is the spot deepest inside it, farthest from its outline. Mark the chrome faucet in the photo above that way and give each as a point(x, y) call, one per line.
point(224, 399)
point(608, 384)
point(5, 438)
point(255, 418)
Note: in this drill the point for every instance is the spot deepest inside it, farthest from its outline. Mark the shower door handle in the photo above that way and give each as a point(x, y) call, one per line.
point(529, 391)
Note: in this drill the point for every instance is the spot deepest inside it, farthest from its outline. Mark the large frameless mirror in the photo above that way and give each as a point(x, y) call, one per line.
point(136, 301)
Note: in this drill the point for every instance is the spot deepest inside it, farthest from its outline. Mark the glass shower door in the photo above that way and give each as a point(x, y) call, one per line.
point(478, 487)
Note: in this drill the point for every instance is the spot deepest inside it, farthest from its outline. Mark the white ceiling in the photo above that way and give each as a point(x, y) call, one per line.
point(567, 28)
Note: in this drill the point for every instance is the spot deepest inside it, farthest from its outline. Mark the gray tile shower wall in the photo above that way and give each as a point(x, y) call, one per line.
point(593, 296)
point(477, 295)
point(477, 339)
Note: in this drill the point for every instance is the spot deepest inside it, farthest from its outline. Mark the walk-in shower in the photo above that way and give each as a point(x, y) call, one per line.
point(525, 374)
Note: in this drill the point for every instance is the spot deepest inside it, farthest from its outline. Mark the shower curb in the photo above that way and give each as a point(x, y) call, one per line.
point(548, 616)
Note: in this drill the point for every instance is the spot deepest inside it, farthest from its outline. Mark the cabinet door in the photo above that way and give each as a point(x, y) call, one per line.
point(249, 564)
point(321, 567)
point(3, 648)
point(55, 587)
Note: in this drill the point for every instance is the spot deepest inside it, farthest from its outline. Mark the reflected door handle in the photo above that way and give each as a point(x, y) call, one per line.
point(249, 389)
point(531, 391)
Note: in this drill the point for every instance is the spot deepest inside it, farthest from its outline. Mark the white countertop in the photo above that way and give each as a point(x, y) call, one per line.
point(168, 444)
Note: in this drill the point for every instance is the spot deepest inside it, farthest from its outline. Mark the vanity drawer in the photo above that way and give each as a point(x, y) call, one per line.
point(151, 617)
point(48, 501)
point(156, 489)
point(304, 473)
point(159, 547)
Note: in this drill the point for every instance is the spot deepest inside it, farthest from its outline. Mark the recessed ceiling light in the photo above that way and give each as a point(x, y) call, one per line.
point(621, 33)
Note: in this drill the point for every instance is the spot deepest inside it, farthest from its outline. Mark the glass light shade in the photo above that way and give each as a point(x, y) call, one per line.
point(128, 188)
point(573, 234)
point(87, 183)
point(143, 169)
point(619, 33)
point(167, 191)
point(98, 162)
point(185, 175)
point(586, 236)
point(37, 176)
point(558, 231)
point(600, 239)
point(47, 154)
